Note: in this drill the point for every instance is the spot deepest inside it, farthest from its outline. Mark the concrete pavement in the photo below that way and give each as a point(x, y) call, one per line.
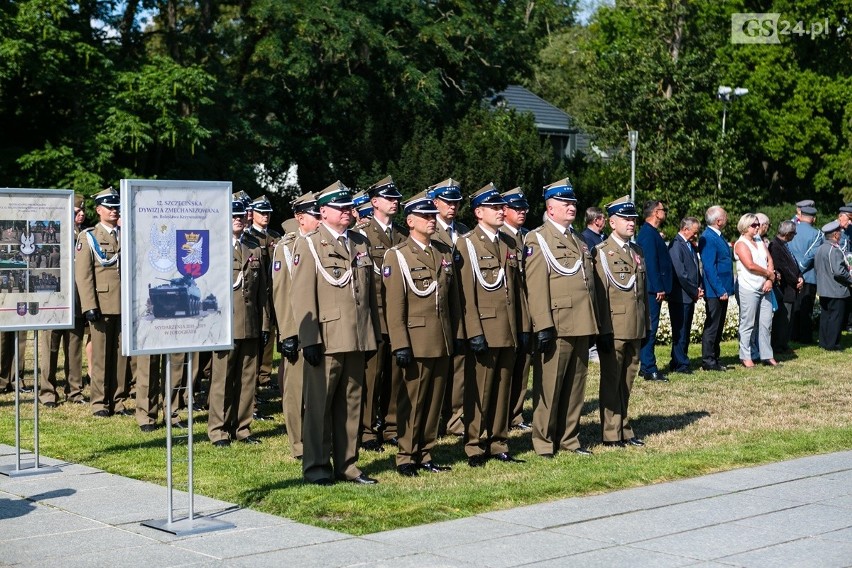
point(794, 513)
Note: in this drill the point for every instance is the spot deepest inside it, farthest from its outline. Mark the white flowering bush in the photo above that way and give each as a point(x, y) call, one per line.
point(730, 331)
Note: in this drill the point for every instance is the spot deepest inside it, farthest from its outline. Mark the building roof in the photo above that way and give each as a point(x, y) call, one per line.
point(549, 120)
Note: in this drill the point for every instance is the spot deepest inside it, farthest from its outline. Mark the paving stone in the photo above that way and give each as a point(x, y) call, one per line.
point(349, 552)
point(159, 555)
point(617, 556)
point(51, 522)
point(239, 542)
point(815, 465)
point(520, 549)
point(842, 535)
point(715, 542)
point(743, 479)
point(33, 551)
point(805, 552)
point(438, 536)
point(807, 490)
point(807, 520)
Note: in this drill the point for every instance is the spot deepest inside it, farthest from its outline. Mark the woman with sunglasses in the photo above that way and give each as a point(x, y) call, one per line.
point(755, 277)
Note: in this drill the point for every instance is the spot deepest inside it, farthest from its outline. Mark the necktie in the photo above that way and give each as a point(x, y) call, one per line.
point(452, 234)
point(389, 233)
point(342, 240)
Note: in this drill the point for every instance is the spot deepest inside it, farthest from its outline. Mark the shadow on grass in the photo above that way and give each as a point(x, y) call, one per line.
point(649, 424)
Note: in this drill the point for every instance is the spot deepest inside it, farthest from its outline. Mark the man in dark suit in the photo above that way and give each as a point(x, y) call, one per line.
point(594, 234)
point(788, 282)
point(686, 290)
point(718, 279)
point(659, 285)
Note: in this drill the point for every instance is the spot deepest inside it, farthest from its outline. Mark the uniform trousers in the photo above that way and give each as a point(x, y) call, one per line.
point(558, 393)
point(232, 386)
point(378, 392)
point(7, 355)
point(333, 394)
point(831, 320)
point(486, 408)
point(264, 362)
point(518, 390)
point(149, 371)
point(291, 384)
point(419, 408)
point(453, 407)
point(618, 370)
point(49, 342)
point(108, 367)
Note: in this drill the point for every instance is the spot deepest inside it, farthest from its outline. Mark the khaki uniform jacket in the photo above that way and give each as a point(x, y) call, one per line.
point(499, 314)
point(423, 324)
point(520, 250)
point(566, 302)
point(443, 236)
point(251, 310)
point(379, 245)
point(99, 286)
point(282, 281)
point(342, 317)
point(620, 284)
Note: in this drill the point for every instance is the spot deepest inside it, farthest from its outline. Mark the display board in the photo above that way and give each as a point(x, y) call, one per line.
point(176, 259)
point(36, 259)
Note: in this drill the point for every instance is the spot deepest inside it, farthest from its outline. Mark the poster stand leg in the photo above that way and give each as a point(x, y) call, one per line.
point(191, 524)
point(34, 467)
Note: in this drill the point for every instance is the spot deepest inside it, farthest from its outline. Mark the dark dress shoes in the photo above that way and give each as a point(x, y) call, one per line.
point(126, 412)
point(432, 467)
point(148, 427)
point(613, 444)
point(546, 456)
point(77, 401)
point(656, 377)
point(522, 426)
point(323, 481)
point(261, 417)
point(372, 446)
point(25, 389)
point(249, 440)
point(49, 405)
point(714, 367)
point(222, 443)
point(506, 457)
point(101, 413)
point(634, 441)
point(392, 441)
point(407, 470)
point(180, 424)
point(583, 451)
point(363, 479)
point(477, 461)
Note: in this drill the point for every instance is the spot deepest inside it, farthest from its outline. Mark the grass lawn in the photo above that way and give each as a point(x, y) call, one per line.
point(696, 424)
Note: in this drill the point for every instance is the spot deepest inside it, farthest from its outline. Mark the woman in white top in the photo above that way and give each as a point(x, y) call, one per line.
point(755, 275)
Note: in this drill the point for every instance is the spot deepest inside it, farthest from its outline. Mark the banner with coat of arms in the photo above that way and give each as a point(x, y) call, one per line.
point(176, 274)
point(36, 259)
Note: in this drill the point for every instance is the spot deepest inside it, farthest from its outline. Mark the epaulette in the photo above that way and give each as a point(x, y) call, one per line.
point(466, 235)
point(362, 225)
point(312, 233)
point(288, 238)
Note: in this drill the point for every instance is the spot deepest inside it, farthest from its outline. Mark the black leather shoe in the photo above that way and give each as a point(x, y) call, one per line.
point(506, 457)
point(126, 412)
point(656, 377)
point(714, 367)
point(583, 451)
point(363, 479)
point(634, 441)
point(180, 424)
point(77, 401)
point(261, 417)
point(393, 441)
point(611, 444)
point(49, 405)
point(477, 461)
point(324, 482)
point(148, 427)
point(546, 456)
point(25, 389)
point(434, 468)
point(372, 446)
point(407, 470)
point(222, 443)
point(101, 413)
point(522, 426)
point(249, 440)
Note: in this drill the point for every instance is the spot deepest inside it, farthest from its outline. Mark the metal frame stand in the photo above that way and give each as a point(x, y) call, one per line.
point(30, 467)
point(191, 524)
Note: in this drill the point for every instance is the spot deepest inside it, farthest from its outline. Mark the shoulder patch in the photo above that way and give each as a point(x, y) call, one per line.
point(386, 271)
point(296, 259)
point(528, 251)
point(276, 266)
point(79, 245)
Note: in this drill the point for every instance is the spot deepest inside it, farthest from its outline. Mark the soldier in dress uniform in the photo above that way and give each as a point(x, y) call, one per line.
point(335, 310)
point(381, 379)
point(234, 379)
point(496, 324)
point(72, 340)
point(514, 216)
point(98, 278)
point(361, 207)
point(421, 294)
point(447, 197)
point(625, 320)
point(149, 372)
point(292, 368)
point(560, 274)
point(259, 229)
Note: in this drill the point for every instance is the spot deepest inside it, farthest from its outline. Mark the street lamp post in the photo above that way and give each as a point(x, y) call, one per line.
point(633, 140)
point(726, 95)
